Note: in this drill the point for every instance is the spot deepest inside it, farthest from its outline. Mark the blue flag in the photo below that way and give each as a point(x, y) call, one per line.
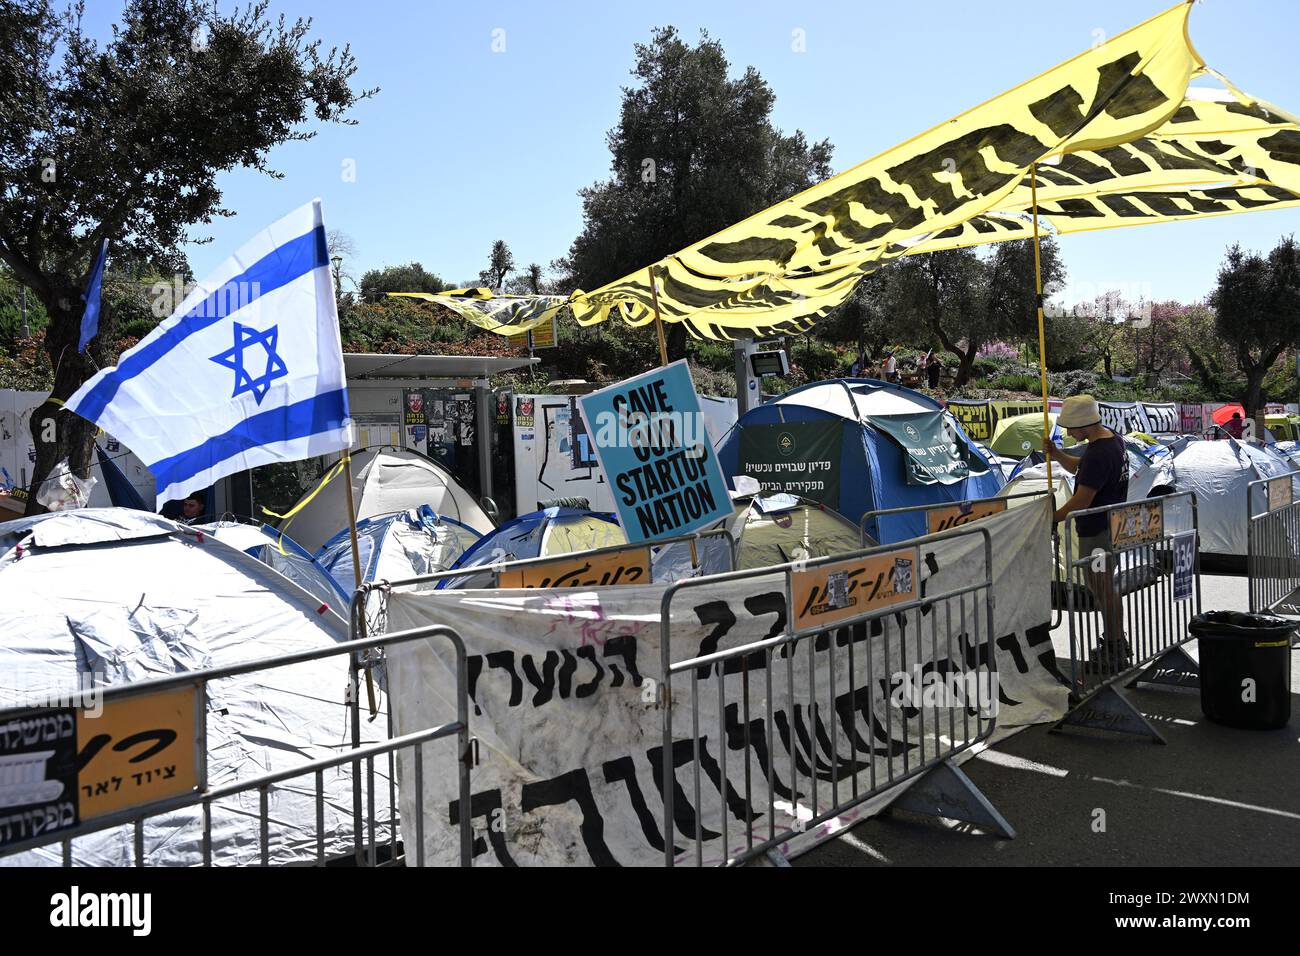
point(90, 318)
point(247, 371)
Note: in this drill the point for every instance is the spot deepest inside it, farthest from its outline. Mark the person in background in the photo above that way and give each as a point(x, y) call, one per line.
point(890, 367)
point(1101, 478)
point(859, 364)
point(192, 509)
point(933, 369)
point(1234, 426)
point(921, 364)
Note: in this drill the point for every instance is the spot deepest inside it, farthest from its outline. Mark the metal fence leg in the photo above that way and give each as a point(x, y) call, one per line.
point(776, 859)
point(1108, 709)
point(1175, 669)
point(945, 791)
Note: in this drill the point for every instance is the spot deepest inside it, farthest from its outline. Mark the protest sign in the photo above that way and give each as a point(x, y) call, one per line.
point(650, 439)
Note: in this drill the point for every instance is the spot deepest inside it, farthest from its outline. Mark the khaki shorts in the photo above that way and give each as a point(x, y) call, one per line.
point(1093, 542)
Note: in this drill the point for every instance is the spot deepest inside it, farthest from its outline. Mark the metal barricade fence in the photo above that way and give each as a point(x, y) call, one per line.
point(840, 671)
point(1273, 545)
point(1129, 605)
point(203, 795)
point(945, 515)
point(530, 572)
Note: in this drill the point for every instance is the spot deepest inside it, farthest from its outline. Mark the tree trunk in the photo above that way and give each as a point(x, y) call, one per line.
point(1254, 388)
point(675, 340)
point(72, 436)
point(964, 366)
point(1106, 363)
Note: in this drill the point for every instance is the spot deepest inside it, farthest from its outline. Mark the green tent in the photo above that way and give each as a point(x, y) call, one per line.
point(1283, 427)
point(1017, 436)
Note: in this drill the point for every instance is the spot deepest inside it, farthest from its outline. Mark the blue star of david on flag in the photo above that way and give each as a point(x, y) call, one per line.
point(233, 358)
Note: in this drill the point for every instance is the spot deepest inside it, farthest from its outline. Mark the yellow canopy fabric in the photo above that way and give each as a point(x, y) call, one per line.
point(1134, 146)
point(503, 314)
point(1117, 136)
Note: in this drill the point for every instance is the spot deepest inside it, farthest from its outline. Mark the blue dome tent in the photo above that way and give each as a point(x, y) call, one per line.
point(860, 445)
point(397, 546)
point(559, 530)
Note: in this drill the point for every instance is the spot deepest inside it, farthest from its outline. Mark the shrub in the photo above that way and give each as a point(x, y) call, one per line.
point(1077, 382)
point(999, 352)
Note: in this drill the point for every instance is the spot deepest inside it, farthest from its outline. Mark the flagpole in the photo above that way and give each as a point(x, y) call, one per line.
point(663, 361)
point(1042, 336)
point(352, 518)
point(659, 322)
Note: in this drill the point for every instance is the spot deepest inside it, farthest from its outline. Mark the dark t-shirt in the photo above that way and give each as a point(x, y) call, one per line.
point(1104, 468)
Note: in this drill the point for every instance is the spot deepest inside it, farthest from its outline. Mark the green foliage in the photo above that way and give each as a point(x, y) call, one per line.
point(11, 312)
point(501, 262)
point(817, 360)
point(1074, 382)
point(694, 151)
point(1257, 311)
point(718, 356)
point(1071, 344)
point(125, 141)
point(23, 366)
point(412, 277)
point(1016, 383)
point(709, 381)
point(965, 300)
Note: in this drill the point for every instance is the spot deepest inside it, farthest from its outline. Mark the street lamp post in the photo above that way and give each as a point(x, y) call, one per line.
point(338, 281)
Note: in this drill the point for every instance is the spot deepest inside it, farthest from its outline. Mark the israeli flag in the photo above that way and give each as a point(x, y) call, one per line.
point(247, 371)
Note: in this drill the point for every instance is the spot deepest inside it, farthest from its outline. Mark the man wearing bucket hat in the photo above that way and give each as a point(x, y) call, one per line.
point(1101, 478)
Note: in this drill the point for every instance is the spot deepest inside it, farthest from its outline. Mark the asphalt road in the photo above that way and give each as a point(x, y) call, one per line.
point(1213, 796)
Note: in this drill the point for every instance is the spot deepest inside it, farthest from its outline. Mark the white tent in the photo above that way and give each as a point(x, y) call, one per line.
point(1032, 479)
point(130, 596)
point(384, 482)
point(287, 557)
point(1217, 472)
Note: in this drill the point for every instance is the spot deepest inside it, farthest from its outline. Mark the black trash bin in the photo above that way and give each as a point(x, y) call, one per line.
point(1245, 668)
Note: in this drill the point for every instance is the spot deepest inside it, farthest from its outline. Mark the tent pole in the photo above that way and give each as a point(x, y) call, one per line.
point(1042, 336)
point(659, 322)
point(356, 576)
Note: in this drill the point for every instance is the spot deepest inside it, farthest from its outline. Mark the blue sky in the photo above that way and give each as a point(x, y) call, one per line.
point(464, 145)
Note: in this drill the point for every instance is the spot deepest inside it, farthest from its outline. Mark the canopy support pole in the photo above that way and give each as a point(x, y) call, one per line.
point(663, 361)
point(659, 322)
point(1042, 335)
